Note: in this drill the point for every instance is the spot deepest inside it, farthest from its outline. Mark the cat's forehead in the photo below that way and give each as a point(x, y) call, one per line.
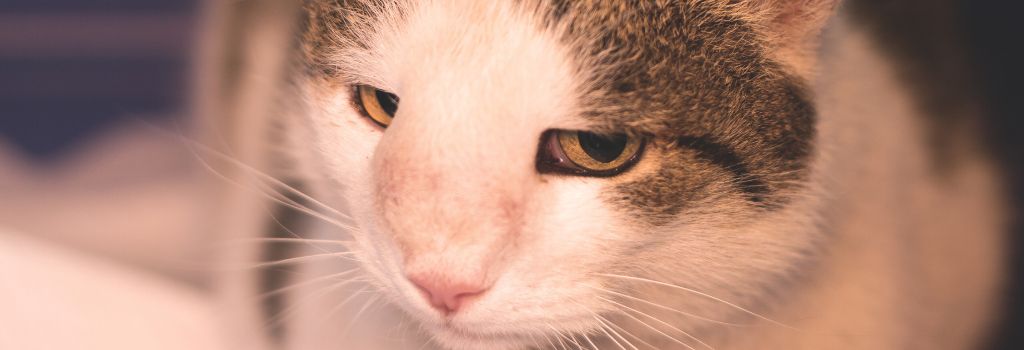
point(653, 66)
point(494, 57)
point(698, 72)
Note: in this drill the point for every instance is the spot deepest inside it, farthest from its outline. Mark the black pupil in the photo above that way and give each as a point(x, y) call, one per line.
point(388, 102)
point(603, 148)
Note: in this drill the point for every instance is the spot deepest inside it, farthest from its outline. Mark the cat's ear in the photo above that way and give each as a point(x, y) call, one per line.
point(793, 27)
point(792, 18)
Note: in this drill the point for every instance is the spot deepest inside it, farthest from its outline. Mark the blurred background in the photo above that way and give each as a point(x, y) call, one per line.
point(76, 75)
point(97, 219)
point(72, 72)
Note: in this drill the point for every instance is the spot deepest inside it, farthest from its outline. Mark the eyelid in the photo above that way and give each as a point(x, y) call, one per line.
point(552, 159)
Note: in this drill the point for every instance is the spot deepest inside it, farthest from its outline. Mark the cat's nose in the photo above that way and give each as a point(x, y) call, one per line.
point(445, 294)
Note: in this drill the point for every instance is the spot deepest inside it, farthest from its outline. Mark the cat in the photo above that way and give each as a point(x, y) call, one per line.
point(549, 174)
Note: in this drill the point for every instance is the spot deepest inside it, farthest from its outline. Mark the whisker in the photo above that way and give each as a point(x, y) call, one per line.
point(289, 203)
point(285, 202)
point(289, 230)
point(344, 302)
point(561, 336)
point(304, 283)
point(195, 145)
point(655, 329)
point(605, 331)
point(591, 342)
point(558, 337)
point(548, 338)
point(610, 323)
point(737, 307)
point(669, 309)
point(289, 240)
point(534, 339)
point(275, 196)
point(343, 255)
point(572, 338)
point(596, 317)
point(291, 310)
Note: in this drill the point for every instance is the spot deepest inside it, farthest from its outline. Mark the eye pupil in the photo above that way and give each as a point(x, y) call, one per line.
point(388, 102)
point(604, 149)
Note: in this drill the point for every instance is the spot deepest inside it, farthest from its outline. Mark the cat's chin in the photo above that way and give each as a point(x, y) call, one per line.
point(452, 338)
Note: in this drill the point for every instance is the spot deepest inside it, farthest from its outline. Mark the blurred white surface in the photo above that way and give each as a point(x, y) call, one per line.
point(58, 298)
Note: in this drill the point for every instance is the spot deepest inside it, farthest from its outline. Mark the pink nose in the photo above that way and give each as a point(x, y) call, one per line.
point(444, 294)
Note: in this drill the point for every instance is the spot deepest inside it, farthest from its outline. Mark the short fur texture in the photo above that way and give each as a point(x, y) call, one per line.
point(783, 202)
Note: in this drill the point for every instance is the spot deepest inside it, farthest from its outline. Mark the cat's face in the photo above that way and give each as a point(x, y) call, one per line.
point(478, 213)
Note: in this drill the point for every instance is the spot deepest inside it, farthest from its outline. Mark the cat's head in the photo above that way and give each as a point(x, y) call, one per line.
point(518, 169)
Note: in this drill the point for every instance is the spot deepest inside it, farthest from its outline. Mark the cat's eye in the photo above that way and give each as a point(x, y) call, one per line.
point(378, 105)
point(587, 154)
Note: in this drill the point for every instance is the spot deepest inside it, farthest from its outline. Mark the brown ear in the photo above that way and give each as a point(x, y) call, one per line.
point(794, 17)
point(792, 26)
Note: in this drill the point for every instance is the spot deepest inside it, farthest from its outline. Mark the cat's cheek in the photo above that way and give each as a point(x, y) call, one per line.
point(567, 236)
point(344, 144)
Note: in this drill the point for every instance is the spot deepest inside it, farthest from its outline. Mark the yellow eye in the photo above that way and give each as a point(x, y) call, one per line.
point(587, 154)
point(378, 105)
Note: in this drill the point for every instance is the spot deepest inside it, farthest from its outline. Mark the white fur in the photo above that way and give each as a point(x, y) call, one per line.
point(450, 187)
point(478, 84)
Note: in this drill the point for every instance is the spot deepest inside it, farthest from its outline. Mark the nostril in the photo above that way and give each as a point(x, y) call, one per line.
point(444, 294)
